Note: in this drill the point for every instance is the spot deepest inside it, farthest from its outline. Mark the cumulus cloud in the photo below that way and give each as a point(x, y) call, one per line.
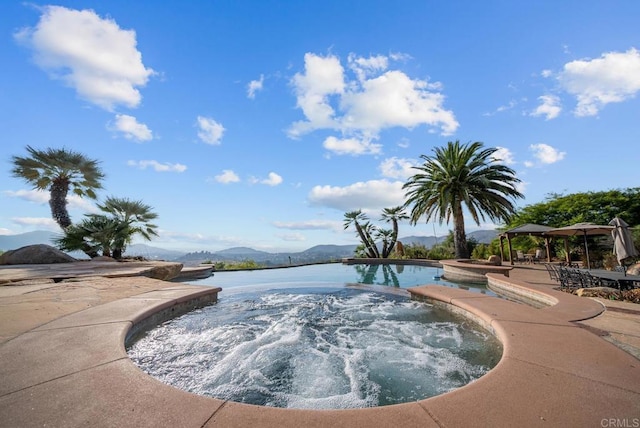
point(364, 67)
point(157, 166)
point(131, 128)
point(210, 131)
point(398, 168)
point(351, 146)
point(92, 55)
point(255, 86)
point(504, 155)
point(272, 179)
point(375, 99)
point(549, 107)
point(323, 76)
point(546, 154)
point(612, 78)
point(369, 195)
point(227, 176)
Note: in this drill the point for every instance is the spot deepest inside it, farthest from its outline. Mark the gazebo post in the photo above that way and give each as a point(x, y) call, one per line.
point(510, 249)
point(547, 248)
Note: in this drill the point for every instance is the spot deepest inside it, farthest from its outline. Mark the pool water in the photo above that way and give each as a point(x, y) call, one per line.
point(317, 347)
point(336, 274)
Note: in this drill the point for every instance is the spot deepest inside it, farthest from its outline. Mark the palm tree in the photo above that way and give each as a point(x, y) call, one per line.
point(132, 217)
point(355, 217)
point(94, 234)
point(457, 175)
point(386, 236)
point(58, 171)
point(393, 215)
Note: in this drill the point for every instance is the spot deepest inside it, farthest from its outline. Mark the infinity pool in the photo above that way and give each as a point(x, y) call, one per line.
point(336, 274)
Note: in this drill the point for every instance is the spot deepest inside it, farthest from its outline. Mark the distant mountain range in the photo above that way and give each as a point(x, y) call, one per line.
point(318, 253)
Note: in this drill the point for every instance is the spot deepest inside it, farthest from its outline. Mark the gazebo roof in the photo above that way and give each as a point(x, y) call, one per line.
point(527, 229)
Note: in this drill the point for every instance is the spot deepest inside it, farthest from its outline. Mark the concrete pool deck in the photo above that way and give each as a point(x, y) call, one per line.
point(63, 361)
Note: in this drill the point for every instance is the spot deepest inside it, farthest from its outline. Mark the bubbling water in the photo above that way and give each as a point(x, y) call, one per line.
point(318, 349)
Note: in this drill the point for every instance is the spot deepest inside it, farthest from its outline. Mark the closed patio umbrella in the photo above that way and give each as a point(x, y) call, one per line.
point(583, 229)
point(623, 246)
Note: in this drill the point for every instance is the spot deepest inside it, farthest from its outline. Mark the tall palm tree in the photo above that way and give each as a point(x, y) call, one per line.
point(393, 215)
point(58, 171)
point(460, 175)
point(132, 217)
point(354, 218)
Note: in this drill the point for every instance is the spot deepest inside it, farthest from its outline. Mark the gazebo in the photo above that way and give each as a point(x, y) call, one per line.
point(526, 229)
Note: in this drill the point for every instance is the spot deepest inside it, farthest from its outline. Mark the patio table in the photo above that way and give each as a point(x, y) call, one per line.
point(621, 278)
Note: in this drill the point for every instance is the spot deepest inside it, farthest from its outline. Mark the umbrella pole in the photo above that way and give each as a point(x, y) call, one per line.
point(586, 250)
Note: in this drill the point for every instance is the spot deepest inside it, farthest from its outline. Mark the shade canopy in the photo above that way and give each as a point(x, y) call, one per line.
point(582, 229)
point(623, 246)
point(529, 229)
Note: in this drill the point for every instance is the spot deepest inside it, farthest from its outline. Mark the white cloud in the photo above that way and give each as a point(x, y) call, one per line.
point(369, 195)
point(292, 237)
point(323, 76)
point(210, 131)
point(546, 154)
point(157, 166)
point(90, 54)
point(255, 86)
point(368, 103)
point(364, 67)
point(612, 78)
point(546, 73)
point(309, 225)
point(227, 176)
point(398, 168)
point(549, 107)
point(351, 146)
point(40, 222)
point(273, 179)
point(503, 155)
point(131, 129)
point(42, 197)
point(37, 196)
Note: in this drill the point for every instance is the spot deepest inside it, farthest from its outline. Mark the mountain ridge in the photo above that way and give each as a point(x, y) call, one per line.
point(316, 253)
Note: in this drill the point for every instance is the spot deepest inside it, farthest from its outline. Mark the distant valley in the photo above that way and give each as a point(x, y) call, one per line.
point(317, 253)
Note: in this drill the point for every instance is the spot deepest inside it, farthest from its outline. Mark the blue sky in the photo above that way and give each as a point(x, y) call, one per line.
point(260, 123)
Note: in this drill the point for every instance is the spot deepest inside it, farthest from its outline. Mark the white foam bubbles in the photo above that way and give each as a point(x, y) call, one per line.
point(338, 349)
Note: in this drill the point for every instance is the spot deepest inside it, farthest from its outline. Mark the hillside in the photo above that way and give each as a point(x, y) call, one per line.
point(318, 253)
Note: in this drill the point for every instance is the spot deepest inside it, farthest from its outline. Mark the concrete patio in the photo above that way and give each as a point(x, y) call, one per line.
point(64, 363)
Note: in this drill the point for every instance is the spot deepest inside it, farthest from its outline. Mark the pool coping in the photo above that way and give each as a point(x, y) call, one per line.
point(74, 371)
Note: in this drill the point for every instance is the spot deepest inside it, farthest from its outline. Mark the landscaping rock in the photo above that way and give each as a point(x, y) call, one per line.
point(634, 269)
point(165, 272)
point(35, 254)
point(494, 260)
point(602, 292)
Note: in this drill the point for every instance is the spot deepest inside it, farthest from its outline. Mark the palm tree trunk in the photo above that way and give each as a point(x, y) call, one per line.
point(58, 203)
point(459, 235)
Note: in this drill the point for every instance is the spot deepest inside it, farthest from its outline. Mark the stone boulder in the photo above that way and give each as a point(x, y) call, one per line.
point(164, 271)
point(634, 269)
point(494, 260)
point(35, 254)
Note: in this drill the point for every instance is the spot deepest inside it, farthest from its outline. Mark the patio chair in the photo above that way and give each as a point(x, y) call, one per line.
point(553, 273)
point(570, 278)
point(539, 255)
point(520, 257)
